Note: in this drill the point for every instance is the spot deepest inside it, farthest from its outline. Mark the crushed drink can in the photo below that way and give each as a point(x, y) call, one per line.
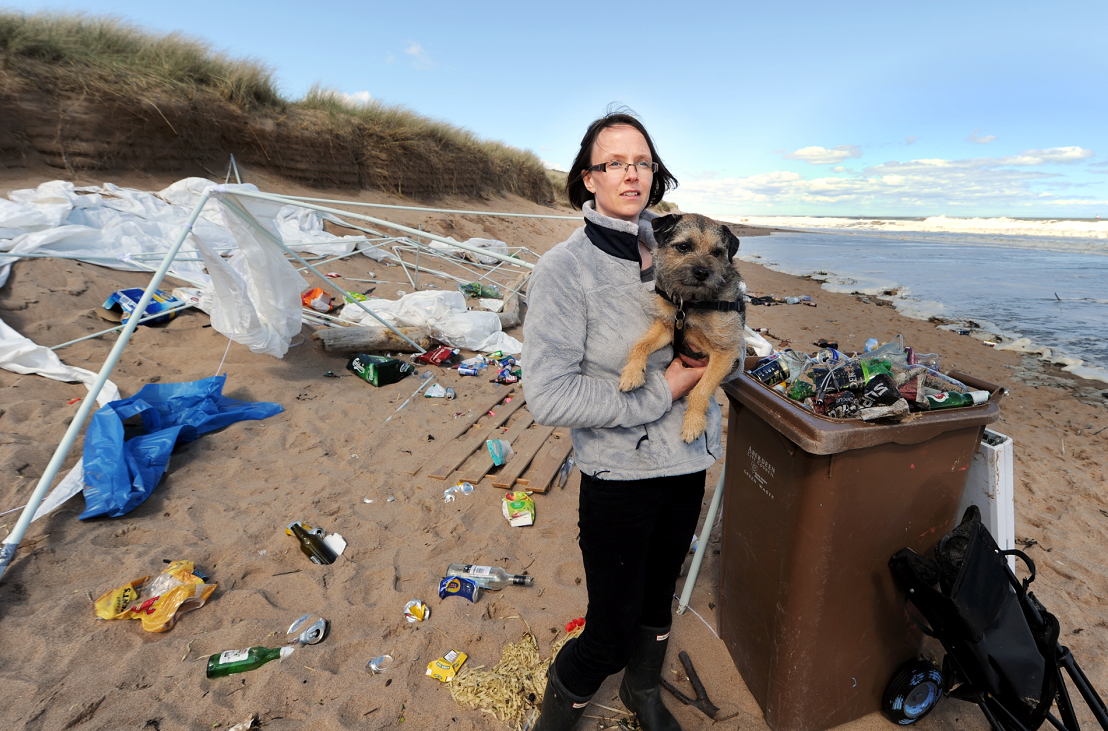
point(416, 611)
point(438, 356)
point(377, 370)
point(457, 586)
point(467, 371)
point(771, 373)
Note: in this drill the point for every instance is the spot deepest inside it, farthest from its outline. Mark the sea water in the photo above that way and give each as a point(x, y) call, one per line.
point(1046, 280)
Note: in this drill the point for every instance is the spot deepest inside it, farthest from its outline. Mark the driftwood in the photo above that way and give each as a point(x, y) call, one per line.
point(369, 339)
point(509, 317)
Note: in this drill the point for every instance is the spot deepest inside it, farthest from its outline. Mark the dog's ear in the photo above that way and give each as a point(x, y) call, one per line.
point(664, 226)
point(732, 242)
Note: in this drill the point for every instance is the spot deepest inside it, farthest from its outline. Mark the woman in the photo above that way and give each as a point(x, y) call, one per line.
point(641, 485)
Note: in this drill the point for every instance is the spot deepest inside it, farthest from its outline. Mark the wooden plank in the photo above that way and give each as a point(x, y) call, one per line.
point(545, 466)
point(369, 339)
point(479, 464)
point(464, 426)
point(525, 451)
point(460, 449)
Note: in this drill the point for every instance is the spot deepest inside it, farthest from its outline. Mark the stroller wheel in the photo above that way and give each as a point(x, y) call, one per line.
point(915, 689)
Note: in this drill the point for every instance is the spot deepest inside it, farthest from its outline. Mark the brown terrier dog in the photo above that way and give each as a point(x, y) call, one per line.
point(699, 308)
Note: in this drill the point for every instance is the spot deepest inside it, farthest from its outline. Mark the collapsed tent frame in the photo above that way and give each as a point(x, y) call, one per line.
point(11, 542)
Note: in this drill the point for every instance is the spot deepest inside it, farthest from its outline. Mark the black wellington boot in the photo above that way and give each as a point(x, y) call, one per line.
point(639, 690)
point(561, 710)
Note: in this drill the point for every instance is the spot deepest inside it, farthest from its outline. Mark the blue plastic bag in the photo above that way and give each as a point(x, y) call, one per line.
point(120, 475)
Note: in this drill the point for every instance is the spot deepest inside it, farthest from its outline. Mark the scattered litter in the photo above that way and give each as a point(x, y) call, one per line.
point(575, 623)
point(317, 299)
point(227, 663)
point(70, 402)
point(159, 603)
point(480, 291)
point(436, 356)
point(315, 543)
point(500, 450)
point(262, 552)
point(436, 391)
point(379, 664)
point(693, 544)
point(416, 611)
point(245, 725)
point(332, 275)
point(449, 493)
point(492, 305)
point(367, 501)
point(122, 303)
point(563, 475)
point(446, 667)
point(390, 499)
point(311, 629)
point(378, 370)
point(518, 509)
point(457, 586)
point(331, 374)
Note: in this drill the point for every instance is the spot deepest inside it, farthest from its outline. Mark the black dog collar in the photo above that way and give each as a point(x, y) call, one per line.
point(679, 316)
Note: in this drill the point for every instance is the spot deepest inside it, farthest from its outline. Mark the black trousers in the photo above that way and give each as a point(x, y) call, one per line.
point(635, 535)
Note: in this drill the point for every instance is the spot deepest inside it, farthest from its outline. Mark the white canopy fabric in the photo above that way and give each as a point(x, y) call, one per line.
point(116, 227)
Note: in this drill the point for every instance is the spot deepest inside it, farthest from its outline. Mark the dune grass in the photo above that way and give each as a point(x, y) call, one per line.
point(113, 59)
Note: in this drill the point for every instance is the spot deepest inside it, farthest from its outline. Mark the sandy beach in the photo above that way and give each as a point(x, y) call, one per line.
point(227, 497)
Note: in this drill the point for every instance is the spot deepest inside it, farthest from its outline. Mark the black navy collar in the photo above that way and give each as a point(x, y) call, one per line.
point(620, 244)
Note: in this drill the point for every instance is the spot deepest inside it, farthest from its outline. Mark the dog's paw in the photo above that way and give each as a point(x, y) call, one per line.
point(632, 378)
point(692, 427)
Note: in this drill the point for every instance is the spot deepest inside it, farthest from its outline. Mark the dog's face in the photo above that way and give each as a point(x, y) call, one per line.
point(693, 258)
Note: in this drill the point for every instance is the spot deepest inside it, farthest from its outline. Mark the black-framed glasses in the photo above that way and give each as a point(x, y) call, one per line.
point(615, 166)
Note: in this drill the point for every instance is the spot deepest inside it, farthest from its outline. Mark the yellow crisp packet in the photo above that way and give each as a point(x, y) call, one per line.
point(157, 603)
point(446, 667)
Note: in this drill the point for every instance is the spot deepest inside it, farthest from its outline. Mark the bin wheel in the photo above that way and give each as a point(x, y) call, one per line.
point(915, 689)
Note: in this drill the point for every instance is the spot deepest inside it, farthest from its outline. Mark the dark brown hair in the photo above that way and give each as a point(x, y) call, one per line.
point(575, 185)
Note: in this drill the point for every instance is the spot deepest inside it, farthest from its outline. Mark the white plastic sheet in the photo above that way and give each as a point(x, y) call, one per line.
point(117, 227)
point(254, 298)
point(442, 314)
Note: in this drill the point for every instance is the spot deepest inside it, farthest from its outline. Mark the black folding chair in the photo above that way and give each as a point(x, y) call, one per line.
point(1002, 649)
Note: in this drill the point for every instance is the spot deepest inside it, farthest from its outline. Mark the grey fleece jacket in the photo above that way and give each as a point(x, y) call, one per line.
point(585, 309)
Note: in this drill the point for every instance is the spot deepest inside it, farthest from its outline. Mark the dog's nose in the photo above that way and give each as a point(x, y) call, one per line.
point(701, 273)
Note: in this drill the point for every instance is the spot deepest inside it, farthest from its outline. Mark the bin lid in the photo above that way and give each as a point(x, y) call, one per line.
point(818, 434)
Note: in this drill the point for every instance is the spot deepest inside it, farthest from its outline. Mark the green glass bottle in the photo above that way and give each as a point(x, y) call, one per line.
point(313, 546)
point(227, 663)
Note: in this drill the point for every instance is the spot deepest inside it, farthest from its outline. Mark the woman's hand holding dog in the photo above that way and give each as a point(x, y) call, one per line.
point(683, 378)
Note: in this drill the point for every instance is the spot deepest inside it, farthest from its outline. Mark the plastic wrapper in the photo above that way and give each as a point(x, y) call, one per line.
point(446, 667)
point(317, 299)
point(518, 509)
point(500, 450)
point(159, 602)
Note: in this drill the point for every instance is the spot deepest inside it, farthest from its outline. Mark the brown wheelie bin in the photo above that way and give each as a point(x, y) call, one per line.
point(813, 508)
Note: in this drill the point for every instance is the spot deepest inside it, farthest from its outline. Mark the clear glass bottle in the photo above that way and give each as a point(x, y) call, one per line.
point(227, 663)
point(492, 578)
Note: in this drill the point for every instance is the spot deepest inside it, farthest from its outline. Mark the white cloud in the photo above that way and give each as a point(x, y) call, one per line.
point(838, 169)
point(911, 139)
point(553, 166)
point(927, 185)
point(823, 156)
point(981, 140)
point(357, 99)
point(420, 59)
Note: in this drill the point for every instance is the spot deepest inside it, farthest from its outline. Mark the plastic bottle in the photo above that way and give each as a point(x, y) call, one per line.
point(492, 578)
point(951, 400)
point(312, 545)
point(227, 663)
point(871, 345)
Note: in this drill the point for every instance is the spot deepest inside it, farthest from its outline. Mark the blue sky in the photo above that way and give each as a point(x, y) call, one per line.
point(849, 108)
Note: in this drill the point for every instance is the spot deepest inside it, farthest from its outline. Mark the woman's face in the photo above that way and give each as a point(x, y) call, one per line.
point(621, 194)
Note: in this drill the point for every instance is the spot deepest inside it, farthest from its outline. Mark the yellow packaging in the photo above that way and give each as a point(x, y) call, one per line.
point(446, 667)
point(158, 603)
